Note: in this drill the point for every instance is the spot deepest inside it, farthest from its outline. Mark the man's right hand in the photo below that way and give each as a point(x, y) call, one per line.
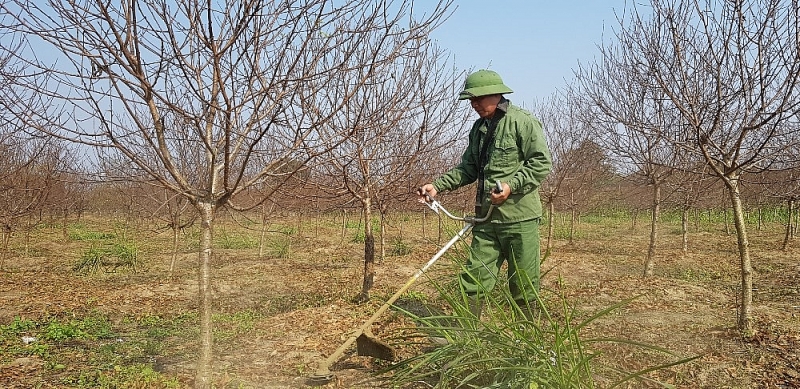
point(427, 188)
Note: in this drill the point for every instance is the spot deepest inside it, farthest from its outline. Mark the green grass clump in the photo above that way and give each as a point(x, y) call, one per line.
point(358, 237)
point(230, 325)
point(226, 240)
point(109, 257)
point(106, 358)
point(118, 376)
point(399, 247)
point(279, 247)
point(513, 344)
point(80, 232)
point(505, 349)
point(287, 230)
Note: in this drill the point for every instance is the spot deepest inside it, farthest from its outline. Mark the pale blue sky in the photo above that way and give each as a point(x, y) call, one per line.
point(532, 44)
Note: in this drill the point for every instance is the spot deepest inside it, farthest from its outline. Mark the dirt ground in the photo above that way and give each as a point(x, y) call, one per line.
point(300, 305)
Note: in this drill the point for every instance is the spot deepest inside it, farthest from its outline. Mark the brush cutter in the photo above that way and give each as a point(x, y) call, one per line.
point(366, 343)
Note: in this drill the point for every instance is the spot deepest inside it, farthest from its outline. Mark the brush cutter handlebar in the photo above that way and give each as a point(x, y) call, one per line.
point(435, 206)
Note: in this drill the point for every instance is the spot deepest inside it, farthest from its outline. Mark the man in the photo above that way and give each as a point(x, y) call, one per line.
point(506, 144)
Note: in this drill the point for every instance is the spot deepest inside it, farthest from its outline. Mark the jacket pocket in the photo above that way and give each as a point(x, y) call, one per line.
point(504, 156)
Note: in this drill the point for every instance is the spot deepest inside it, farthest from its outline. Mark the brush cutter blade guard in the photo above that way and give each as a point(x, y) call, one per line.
point(320, 378)
point(367, 345)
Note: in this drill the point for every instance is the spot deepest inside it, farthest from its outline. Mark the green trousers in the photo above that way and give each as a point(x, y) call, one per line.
point(493, 244)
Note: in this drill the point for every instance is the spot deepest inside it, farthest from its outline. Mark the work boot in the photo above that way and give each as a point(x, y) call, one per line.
point(476, 306)
point(530, 309)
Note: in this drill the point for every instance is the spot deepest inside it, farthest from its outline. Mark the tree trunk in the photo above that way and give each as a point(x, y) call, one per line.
point(204, 363)
point(727, 223)
point(441, 230)
point(685, 229)
point(300, 224)
point(383, 235)
point(4, 249)
point(550, 227)
point(175, 232)
point(265, 214)
point(573, 219)
point(344, 224)
point(369, 251)
point(261, 238)
point(649, 263)
point(789, 209)
point(28, 229)
point(760, 219)
point(65, 224)
point(696, 220)
point(745, 321)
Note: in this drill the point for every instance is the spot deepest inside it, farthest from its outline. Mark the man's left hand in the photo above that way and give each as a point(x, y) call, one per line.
point(500, 198)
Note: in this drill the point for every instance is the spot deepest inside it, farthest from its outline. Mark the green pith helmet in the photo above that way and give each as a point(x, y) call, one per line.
point(481, 83)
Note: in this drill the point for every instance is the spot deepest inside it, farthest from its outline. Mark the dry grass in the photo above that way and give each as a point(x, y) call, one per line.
point(279, 316)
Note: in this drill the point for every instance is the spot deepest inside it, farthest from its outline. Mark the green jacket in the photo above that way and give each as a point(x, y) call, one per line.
point(518, 157)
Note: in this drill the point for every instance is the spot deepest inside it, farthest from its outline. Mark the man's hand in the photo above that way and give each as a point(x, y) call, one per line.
point(427, 188)
point(500, 197)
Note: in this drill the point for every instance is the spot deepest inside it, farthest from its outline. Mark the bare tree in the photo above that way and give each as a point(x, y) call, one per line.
point(691, 185)
point(399, 120)
point(206, 98)
point(782, 185)
point(565, 133)
point(731, 69)
point(29, 169)
point(630, 115)
point(69, 196)
point(174, 212)
point(587, 184)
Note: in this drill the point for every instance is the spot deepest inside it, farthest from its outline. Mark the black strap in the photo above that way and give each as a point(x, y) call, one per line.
point(483, 158)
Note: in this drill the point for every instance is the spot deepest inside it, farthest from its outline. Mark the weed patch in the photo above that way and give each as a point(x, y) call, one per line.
point(108, 257)
point(225, 240)
point(279, 247)
point(399, 247)
point(80, 232)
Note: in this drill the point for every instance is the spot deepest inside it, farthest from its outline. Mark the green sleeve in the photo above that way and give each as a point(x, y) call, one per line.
point(536, 162)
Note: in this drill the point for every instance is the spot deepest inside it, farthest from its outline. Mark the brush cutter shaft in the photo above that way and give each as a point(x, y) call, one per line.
point(323, 373)
point(323, 369)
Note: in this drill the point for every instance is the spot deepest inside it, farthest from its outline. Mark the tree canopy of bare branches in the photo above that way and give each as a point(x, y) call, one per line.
point(207, 99)
point(731, 71)
point(402, 118)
